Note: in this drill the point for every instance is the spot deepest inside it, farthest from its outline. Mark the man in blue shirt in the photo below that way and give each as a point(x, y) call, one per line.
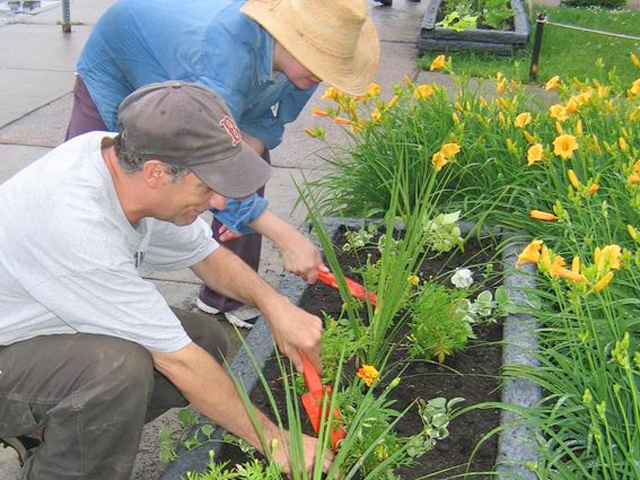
point(263, 57)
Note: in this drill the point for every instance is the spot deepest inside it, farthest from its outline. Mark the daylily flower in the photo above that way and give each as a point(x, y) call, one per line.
point(573, 178)
point(559, 112)
point(553, 83)
point(545, 258)
point(534, 154)
point(330, 93)
point(558, 270)
point(437, 63)
point(559, 128)
point(530, 254)
point(317, 132)
point(522, 120)
point(603, 282)
point(450, 149)
point(392, 102)
point(317, 112)
point(593, 188)
point(414, 280)
point(540, 215)
point(608, 105)
point(501, 102)
point(408, 81)
point(368, 373)
point(528, 137)
point(622, 143)
point(439, 160)
point(573, 104)
point(603, 91)
point(635, 87)
point(423, 91)
point(610, 254)
point(635, 60)
point(483, 103)
point(501, 86)
point(564, 146)
point(342, 121)
point(455, 118)
point(634, 178)
point(310, 132)
point(374, 90)
point(376, 115)
point(579, 126)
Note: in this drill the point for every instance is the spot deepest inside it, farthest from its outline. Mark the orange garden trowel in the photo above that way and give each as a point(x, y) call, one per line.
point(313, 400)
point(355, 289)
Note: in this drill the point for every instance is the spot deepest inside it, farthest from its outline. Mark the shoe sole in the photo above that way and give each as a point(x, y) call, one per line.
point(19, 448)
point(228, 317)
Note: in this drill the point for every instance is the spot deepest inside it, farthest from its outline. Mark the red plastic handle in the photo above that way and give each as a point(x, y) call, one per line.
point(355, 289)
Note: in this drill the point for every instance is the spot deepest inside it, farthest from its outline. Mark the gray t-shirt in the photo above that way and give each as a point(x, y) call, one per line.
point(69, 257)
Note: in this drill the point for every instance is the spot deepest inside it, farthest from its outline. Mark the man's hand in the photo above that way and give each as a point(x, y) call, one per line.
point(225, 234)
point(309, 445)
point(299, 255)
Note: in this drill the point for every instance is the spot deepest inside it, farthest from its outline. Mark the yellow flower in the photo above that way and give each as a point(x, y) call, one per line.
point(392, 102)
point(635, 60)
point(414, 280)
point(437, 63)
point(573, 104)
point(450, 149)
point(342, 121)
point(368, 373)
point(636, 166)
point(564, 146)
point(610, 254)
point(634, 178)
point(593, 188)
point(545, 258)
point(603, 282)
point(439, 160)
point(330, 93)
point(609, 106)
point(454, 117)
point(528, 137)
point(573, 179)
point(579, 126)
point(311, 133)
point(540, 215)
point(408, 81)
point(575, 264)
point(534, 154)
point(635, 87)
point(623, 144)
point(559, 128)
point(376, 115)
point(483, 103)
point(501, 102)
point(522, 120)
point(530, 254)
point(374, 90)
point(501, 86)
point(423, 91)
point(559, 112)
point(553, 83)
point(603, 91)
point(320, 113)
point(501, 117)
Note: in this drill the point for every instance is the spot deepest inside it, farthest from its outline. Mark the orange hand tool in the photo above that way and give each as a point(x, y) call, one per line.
point(355, 289)
point(313, 400)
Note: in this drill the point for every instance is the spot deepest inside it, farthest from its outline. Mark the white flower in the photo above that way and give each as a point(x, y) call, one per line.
point(462, 278)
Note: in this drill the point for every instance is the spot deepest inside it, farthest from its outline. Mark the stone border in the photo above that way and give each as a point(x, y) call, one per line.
point(515, 445)
point(501, 42)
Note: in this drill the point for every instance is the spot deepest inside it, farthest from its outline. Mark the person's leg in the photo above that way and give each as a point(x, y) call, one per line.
point(87, 393)
point(204, 331)
point(84, 113)
point(247, 247)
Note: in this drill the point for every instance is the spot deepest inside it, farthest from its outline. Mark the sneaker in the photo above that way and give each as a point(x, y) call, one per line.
point(23, 445)
point(242, 317)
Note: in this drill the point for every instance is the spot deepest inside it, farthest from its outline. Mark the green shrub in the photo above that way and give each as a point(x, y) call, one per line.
point(609, 4)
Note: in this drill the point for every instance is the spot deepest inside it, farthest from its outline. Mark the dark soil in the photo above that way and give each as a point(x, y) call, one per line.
point(470, 374)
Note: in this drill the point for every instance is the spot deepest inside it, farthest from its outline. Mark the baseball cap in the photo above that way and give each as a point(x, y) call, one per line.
point(188, 125)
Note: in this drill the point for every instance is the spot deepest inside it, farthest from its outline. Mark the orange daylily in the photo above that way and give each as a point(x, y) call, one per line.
point(530, 254)
point(437, 63)
point(540, 215)
point(330, 93)
point(450, 149)
point(558, 269)
point(573, 178)
point(523, 119)
point(635, 87)
point(455, 118)
point(528, 137)
point(374, 90)
point(634, 178)
point(368, 373)
point(439, 160)
point(564, 146)
point(423, 91)
point(622, 143)
point(559, 112)
point(392, 102)
point(553, 83)
point(534, 154)
point(376, 115)
point(635, 60)
point(311, 133)
point(609, 253)
point(342, 121)
point(603, 282)
point(593, 188)
point(320, 113)
point(545, 258)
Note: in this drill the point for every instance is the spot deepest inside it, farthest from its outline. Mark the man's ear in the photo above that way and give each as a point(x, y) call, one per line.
point(154, 173)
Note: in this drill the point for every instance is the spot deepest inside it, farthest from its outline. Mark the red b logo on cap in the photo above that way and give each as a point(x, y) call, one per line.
point(232, 130)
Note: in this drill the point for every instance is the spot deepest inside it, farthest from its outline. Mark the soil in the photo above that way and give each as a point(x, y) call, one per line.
point(471, 374)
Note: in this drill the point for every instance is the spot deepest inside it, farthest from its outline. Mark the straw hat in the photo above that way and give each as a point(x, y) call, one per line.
point(333, 39)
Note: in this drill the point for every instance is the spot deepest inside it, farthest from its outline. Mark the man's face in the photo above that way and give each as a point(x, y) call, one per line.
point(297, 73)
point(185, 199)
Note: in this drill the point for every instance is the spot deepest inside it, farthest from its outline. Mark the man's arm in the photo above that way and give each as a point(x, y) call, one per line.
point(293, 329)
point(209, 389)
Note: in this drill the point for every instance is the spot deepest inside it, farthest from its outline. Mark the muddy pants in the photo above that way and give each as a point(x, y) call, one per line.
point(86, 118)
point(90, 395)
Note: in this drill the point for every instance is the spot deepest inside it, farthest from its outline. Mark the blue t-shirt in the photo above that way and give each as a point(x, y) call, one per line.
point(210, 42)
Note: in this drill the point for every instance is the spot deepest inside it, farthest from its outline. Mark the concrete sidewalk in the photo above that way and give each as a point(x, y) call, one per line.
point(37, 65)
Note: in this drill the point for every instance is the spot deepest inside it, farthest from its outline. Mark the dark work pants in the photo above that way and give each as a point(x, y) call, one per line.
point(90, 395)
point(86, 118)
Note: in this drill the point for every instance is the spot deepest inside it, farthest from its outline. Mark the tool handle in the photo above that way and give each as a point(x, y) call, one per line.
point(310, 374)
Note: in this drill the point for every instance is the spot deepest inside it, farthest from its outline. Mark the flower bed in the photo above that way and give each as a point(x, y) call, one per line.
point(471, 374)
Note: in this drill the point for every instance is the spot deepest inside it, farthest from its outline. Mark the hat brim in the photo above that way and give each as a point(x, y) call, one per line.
point(238, 176)
point(351, 75)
